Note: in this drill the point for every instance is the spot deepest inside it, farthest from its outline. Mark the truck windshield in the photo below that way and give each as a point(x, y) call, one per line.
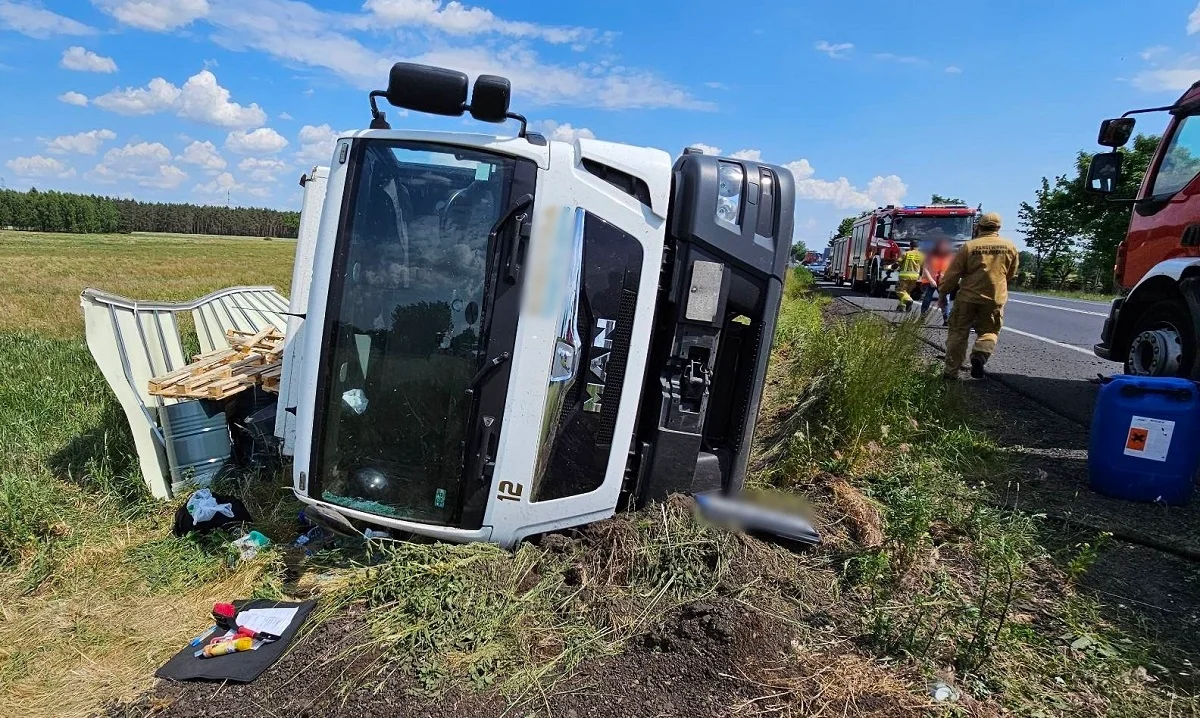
point(928, 230)
point(405, 328)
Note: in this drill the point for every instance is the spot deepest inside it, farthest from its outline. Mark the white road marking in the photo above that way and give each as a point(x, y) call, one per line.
point(1051, 297)
point(1055, 306)
point(1048, 340)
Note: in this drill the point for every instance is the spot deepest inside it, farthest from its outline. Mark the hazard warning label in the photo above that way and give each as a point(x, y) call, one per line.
point(1149, 438)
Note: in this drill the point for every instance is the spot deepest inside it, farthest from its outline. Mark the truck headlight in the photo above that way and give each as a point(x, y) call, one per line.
point(730, 179)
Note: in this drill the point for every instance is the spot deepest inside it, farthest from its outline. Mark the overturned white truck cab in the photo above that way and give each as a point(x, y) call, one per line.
point(504, 336)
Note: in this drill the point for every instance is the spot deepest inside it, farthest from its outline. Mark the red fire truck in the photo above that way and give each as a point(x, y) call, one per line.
point(1154, 329)
point(874, 246)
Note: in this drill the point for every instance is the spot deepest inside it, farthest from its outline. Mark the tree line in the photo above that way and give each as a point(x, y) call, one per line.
point(89, 214)
point(1073, 234)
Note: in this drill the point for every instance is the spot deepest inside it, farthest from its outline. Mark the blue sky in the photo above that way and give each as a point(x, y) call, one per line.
point(867, 102)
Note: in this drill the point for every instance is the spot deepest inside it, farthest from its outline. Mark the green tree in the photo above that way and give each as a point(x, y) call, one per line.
point(845, 226)
point(942, 199)
point(798, 251)
point(1066, 221)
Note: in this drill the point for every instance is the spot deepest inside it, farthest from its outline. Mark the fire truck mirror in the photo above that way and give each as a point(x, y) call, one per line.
point(1116, 132)
point(1104, 173)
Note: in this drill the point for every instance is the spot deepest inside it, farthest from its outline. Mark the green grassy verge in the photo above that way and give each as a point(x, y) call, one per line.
point(1065, 294)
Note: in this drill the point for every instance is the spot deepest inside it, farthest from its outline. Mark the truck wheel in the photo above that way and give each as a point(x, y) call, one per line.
point(1164, 343)
point(876, 288)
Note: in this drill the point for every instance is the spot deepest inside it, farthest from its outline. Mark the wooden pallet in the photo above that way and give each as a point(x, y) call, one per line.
point(252, 359)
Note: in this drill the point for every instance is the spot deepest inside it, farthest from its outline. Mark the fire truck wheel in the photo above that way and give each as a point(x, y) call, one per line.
point(876, 288)
point(1163, 342)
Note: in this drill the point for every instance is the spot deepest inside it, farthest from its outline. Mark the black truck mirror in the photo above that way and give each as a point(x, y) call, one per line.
point(1116, 132)
point(1104, 173)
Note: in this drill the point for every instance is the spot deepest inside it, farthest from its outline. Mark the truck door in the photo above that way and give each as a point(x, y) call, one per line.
point(1169, 204)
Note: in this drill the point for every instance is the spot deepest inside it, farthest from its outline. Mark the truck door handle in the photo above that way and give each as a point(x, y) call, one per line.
point(1191, 236)
point(483, 462)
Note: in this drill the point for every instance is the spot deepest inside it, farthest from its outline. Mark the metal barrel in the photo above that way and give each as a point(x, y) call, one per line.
point(197, 441)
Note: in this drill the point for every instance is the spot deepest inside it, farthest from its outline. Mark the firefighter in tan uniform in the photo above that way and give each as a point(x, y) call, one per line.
point(978, 277)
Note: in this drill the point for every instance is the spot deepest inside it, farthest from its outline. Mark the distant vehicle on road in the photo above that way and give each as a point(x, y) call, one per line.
point(873, 248)
point(818, 269)
point(1155, 328)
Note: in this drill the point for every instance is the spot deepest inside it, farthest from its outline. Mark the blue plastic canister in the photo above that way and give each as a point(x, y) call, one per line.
point(1145, 443)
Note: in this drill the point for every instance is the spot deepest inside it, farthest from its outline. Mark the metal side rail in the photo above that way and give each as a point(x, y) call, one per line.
point(133, 341)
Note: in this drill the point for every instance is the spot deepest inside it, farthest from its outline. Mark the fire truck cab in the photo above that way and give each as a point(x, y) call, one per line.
point(875, 242)
point(1154, 329)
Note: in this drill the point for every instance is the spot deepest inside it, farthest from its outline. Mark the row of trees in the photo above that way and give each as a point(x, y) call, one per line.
point(1073, 234)
point(68, 212)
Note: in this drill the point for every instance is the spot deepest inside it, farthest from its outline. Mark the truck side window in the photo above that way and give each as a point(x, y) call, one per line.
point(1181, 162)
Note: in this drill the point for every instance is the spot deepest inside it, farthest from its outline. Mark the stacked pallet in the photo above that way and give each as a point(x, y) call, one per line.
point(252, 358)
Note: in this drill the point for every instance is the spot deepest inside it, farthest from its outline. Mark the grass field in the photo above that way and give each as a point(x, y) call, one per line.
point(93, 590)
point(920, 575)
point(41, 275)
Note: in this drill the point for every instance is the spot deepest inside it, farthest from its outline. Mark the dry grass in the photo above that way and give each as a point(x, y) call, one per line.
point(94, 592)
point(42, 274)
point(97, 634)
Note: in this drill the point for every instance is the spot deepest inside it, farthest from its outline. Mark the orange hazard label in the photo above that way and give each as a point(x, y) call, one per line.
point(1137, 439)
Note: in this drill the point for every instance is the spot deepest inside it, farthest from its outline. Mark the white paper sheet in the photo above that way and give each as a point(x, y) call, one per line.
point(270, 620)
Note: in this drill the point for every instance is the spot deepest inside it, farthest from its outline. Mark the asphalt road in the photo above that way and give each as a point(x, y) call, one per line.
point(1045, 349)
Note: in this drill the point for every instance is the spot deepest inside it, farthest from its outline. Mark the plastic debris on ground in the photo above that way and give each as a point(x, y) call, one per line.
point(249, 545)
point(203, 506)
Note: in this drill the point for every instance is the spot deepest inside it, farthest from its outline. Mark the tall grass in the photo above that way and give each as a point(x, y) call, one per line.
point(954, 581)
point(95, 592)
point(838, 386)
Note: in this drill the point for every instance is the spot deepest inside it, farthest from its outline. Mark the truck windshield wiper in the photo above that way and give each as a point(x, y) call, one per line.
point(486, 371)
point(514, 246)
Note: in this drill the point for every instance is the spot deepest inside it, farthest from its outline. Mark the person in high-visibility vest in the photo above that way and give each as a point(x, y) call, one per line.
point(909, 274)
point(936, 264)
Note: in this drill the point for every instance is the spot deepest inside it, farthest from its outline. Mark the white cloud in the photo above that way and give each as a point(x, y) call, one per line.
point(220, 184)
point(263, 141)
point(261, 170)
point(953, 70)
point(204, 155)
point(157, 15)
point(299, 34)
point(316, 143)
point(83, 143)
point(843, 195)
point(837, 51)
point(583, 85)
point(146, 163)
point(564, 132)
point(1193, 24)
point(1175, 77)
point(716, 85)
point(35, 21)
point(74, 98)
point(1153, 51)
point(201, 99)
point(902, 59)
point(886, 190)
point(455, 18)
point(284, 116)
point(39, 166)
point(157, 96)
point(752, 155)
point(706, 149)
point(81, 60)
